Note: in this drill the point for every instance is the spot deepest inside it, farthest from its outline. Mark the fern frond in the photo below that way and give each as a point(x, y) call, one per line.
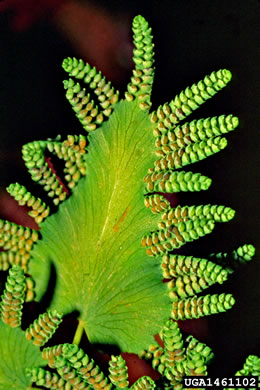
point(186, 286)
point(13, 297)
point(171, 182)
point(118, 372)
point(190, 154)
point(241, 255)
point(18, 241)
point(244, 253)
point(140, 86)
point(144, 383)
point(33, 155)
point(199, 347)
point(9, 259)
point(86, 369)
point(100, 228)
point(42, 329)
point(49, 380)
point(75, 355)
point(39, 211)
point(173, 378)
point(177, 360)
point(72, 151)
point(217, 213)
point(105, 92)
point(51, 353)
point(195, 364)
point(173, 266)
point(168, 115)
point(86, 111)
point(194, 131)
point(173, 345)
point(197, 307)
point(166, 240)
point(251, 367)
point(16, 238)
point(69, 374)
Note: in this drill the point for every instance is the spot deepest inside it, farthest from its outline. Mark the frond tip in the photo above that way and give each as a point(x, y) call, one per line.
point(241, 255)
point(177, 358)
point(69, 374)
point(217, 213)
point(186, 286)
point(167, 239)
point(140, 86)
point(51, 353)
point(74, 360)
point(191, 98)
point(168, 115)
point(13, 297)
point(174, 266)
point(194, 131)
point(172, 182)
point(144, 383)
point(173, 344)
point(33, 155)
point(198, 347)
point(18, 241)
point(47, 379)
point(72, 151)
point(89, 115)
point(197, 307)
point(190, 154)
point(42, 329)
point(250, 368)
point(39, 211)
point(118, 372)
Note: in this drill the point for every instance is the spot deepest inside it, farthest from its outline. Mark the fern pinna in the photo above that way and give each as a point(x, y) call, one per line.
point(111, 240)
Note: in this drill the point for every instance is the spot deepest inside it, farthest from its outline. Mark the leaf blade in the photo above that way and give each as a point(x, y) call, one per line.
point(94, 241)
point(13, 365)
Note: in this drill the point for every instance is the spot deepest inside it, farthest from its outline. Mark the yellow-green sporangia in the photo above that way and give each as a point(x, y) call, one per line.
point(111, 241)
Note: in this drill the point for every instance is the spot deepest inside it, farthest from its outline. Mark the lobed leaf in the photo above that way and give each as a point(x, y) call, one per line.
point(16, 355)
point(94, 240)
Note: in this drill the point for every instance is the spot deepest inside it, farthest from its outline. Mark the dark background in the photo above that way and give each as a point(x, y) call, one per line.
point(192, 38)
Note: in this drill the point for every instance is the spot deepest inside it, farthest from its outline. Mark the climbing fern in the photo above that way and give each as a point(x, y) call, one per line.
point(110, 242)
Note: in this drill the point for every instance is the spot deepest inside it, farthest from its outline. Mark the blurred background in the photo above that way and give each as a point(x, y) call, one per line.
point(192, 38)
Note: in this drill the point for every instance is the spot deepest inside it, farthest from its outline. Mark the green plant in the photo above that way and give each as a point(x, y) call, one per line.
point(110, 243)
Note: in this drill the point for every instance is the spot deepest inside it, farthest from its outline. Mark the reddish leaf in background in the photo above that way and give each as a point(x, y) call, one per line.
point(11, 211)
point(97, 36)
point(27, 12)
point(51, 166)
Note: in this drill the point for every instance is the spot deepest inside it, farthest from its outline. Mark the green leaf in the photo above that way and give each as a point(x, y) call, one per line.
point(94, 240)
point(16, 355)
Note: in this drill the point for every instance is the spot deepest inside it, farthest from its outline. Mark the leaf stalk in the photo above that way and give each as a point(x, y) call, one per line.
point(79, 332)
